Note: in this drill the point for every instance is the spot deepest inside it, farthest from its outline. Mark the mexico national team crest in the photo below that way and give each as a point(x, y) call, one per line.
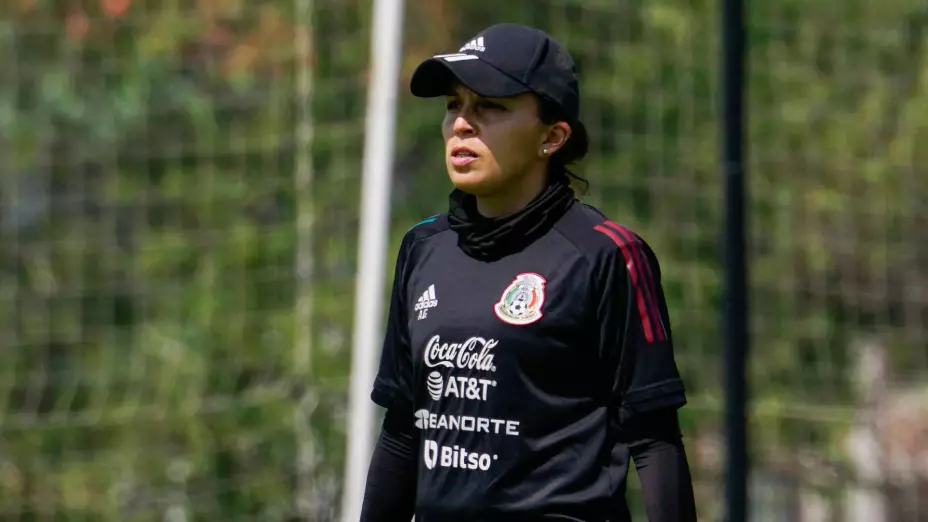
point(522, 300)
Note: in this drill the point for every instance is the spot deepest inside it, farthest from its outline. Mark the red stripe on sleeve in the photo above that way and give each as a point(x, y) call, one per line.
point(639, 296)
point(645, 276)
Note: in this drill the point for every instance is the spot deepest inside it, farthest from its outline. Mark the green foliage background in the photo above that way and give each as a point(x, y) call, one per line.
point(165, 347)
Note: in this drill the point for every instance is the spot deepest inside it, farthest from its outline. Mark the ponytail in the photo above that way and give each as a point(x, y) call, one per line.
point(572, 151)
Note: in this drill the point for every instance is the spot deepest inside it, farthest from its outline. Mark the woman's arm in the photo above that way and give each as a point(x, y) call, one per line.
point(636, 341)
point(656, 445)
point(390, 495)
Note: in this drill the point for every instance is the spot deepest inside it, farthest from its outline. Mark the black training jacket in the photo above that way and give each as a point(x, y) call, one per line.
point(518, 371)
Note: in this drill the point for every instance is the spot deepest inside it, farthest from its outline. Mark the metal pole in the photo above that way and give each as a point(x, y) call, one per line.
point(735, 319)
point(307, 451)
point(386, 53)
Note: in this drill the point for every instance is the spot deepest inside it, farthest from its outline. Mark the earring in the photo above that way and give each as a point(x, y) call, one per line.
point(544, 151)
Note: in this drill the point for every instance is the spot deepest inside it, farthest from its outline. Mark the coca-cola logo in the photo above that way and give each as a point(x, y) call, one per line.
point(475, 353)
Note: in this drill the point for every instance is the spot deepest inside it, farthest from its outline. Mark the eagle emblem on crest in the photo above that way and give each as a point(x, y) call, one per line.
point(522, 301)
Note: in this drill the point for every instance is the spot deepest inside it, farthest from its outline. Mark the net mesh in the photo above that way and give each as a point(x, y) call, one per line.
point(179, 210)
point(165, 357)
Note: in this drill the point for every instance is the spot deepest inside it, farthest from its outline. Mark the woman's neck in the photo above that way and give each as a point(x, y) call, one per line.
point(513, 198)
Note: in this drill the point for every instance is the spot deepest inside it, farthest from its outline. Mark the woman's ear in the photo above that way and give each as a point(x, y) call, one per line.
point(558, 134)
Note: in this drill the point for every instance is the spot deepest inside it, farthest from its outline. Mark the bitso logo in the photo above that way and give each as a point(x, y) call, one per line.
point(455, 457)
point(522, 300)
point(431, 454)
point(435, 385)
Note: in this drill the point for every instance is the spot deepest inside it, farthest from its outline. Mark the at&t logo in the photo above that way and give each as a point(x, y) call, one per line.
point(471, 388)
point(435, 385)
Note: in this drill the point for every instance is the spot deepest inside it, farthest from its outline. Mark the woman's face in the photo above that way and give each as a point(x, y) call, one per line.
point(493, 143)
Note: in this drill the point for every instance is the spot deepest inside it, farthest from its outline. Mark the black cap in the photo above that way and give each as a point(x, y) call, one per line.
point(506, 60)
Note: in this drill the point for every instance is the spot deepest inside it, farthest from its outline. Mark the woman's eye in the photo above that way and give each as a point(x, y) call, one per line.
point(453, 105)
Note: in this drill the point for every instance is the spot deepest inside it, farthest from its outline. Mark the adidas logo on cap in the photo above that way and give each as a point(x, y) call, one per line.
point(474, 45)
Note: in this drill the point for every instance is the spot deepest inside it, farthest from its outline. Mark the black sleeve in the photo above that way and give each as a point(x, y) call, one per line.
point(656, 445)
point(635, 336)
point(390, 493)
point(646, 388)
point(393, 384)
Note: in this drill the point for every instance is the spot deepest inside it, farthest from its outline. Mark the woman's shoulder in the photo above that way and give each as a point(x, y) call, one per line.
point(426, 228)
point(598, 236)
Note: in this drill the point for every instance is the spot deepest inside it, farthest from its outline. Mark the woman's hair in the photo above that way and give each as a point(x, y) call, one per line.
point(573, 150)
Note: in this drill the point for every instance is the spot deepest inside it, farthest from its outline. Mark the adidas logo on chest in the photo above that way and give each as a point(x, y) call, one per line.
point(425, 301)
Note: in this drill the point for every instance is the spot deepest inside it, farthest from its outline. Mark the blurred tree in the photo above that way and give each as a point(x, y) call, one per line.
point(148, 227)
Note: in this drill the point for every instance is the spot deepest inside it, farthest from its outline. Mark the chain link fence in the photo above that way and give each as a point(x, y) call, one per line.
point(179, 186)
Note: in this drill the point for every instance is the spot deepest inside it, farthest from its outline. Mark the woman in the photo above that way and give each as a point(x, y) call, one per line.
point(528, 354)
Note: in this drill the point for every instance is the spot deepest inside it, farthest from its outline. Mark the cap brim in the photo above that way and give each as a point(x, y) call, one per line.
point(434, 77)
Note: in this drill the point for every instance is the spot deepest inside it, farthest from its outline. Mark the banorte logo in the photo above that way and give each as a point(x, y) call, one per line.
point(475, 353)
